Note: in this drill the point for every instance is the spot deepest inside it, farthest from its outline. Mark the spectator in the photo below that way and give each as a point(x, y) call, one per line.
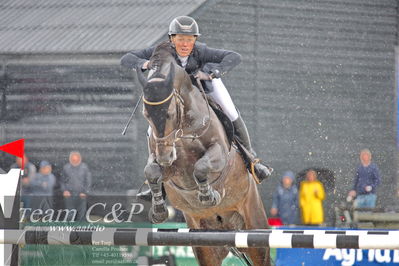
point(75, 183)
point(43, 187)
point(29, 175)
point(285, 200)
point(311, 196)
point(367, 179)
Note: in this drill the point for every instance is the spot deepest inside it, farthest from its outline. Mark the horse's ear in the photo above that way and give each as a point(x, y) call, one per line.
point(171, 76)
point(142, 79)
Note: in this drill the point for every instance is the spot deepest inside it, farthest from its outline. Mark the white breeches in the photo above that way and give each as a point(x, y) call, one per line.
point(222, 97)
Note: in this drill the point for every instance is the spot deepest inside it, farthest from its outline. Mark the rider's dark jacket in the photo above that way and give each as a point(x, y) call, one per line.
point(201, 58)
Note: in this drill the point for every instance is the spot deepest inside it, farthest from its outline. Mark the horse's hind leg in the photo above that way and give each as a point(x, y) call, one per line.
point(206, 256)
point(210, 256)
point(255, 217)
point(259, 256)
point(152, 172)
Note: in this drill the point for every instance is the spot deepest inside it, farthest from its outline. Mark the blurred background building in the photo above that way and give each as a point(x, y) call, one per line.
point(316, 85)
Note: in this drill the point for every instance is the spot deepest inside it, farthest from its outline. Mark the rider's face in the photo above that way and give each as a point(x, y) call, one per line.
point(184, 44)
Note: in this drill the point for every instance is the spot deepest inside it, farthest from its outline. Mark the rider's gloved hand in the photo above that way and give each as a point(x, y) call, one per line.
point(202, 75)
point(215, 74)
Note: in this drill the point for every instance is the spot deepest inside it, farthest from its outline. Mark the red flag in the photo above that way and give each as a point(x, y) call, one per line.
point(15, 148)
point(275, 221)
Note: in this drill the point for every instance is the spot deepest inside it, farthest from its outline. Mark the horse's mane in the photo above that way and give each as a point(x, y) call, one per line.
point(163, 48)
point(162, 54)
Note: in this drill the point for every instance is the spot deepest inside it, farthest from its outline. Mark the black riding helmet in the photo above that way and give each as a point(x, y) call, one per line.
point(184, 25)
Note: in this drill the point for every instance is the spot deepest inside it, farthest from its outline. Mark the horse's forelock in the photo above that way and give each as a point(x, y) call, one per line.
point(160, 61)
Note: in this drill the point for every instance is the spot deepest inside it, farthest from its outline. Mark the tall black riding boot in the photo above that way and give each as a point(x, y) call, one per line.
point(261, 171)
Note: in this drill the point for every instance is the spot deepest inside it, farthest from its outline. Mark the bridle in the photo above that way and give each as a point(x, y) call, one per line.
point(178, 132)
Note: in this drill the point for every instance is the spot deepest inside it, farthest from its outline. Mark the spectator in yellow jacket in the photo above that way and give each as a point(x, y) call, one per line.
point(311, 196)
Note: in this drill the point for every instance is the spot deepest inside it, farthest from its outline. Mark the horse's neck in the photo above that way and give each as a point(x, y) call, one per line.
point(196, 109)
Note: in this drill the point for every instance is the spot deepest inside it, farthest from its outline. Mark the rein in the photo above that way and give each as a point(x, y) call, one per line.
point(209, 114)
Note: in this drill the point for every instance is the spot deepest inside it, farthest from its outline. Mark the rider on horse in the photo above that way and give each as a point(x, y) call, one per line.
point(207, 64)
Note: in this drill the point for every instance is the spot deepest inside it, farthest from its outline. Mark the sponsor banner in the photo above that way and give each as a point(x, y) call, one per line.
point(302, 256)
point(331, 257)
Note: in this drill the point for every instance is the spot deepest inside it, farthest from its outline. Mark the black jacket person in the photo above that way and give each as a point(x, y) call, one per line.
point(208, 64)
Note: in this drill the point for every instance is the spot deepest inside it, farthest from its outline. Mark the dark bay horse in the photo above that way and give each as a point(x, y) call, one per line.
point(191, 159)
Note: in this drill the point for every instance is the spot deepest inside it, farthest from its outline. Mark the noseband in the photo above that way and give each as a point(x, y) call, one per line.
point(160, 102)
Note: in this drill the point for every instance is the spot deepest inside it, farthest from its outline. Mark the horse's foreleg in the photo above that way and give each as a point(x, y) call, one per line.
point(153, 173)
point(212, 161)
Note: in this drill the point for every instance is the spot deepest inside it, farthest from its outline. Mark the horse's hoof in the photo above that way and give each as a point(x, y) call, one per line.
point(210, 199)
point(158, 217)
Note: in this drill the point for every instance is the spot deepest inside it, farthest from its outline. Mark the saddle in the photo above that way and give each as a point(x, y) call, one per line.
point(229, 129)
